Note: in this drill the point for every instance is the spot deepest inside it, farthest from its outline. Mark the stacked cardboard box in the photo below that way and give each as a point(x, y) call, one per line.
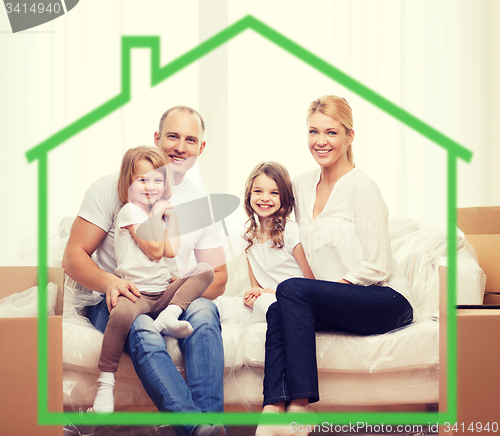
point(481, 226)
point(478, 328)
point(19, 362)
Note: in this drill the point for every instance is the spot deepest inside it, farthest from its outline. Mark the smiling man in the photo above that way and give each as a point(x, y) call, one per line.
point(180, 137)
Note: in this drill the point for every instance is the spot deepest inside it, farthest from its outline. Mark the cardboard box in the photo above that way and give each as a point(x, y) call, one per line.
point(443, 316)
point(491, 299)
point(478, 356)
point(478, 384)
point(481, 226)
point(19, 359)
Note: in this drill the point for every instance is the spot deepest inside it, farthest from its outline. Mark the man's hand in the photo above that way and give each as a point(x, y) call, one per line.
point(84, 238)
point(120, 287)
point(251, 296)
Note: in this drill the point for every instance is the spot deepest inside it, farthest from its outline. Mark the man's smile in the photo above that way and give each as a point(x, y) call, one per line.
point(176, 158)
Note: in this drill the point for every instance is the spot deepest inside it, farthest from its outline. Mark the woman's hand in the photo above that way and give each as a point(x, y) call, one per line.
point(345, 281)
point(269, 291)
point(251, 296)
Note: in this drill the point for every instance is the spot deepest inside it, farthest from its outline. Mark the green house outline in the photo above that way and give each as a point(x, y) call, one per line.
point(159, 74)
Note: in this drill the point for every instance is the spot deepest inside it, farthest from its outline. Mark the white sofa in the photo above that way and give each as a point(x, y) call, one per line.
point(397, 369)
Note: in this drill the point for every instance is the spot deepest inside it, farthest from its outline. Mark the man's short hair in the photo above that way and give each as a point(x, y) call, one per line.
point(181, 109)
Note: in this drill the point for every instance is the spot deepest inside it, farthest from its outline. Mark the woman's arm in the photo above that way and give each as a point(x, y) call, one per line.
point(300, 257)
point(372, 237)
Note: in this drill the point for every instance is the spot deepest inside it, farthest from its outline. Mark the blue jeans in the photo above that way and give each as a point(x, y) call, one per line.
point(203, 389)
point(305, 306)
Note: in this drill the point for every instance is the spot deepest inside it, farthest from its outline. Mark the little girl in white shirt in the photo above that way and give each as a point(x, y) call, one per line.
point(274, 252)
point(141, 245)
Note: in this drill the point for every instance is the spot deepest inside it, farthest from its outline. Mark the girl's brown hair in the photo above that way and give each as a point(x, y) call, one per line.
point(128, 166)
point(280, 175)
point(338, 109)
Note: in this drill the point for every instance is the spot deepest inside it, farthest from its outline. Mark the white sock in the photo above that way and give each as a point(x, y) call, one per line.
point(104, 400)
point(168, 323)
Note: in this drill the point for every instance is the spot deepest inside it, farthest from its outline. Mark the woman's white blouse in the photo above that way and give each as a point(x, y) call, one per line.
point(349, 239)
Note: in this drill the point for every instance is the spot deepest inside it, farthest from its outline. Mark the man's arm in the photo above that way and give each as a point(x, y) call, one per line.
point(216, 258)
point(84, 239)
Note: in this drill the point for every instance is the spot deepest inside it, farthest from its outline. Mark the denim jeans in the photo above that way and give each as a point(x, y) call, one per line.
point(305, 306)
point(203, 355)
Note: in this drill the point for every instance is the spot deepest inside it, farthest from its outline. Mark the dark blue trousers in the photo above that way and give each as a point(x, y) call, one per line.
point(305, 306)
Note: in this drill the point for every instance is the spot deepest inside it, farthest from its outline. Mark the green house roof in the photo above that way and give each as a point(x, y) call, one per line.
point(159, 74)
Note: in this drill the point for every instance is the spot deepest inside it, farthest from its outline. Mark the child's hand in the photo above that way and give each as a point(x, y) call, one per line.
point(251, 296)
point(269, 291)
point(162, 206)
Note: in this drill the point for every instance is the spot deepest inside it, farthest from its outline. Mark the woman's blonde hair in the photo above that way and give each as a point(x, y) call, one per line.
point(337, 108)
point(280, 175)
point(128, 174)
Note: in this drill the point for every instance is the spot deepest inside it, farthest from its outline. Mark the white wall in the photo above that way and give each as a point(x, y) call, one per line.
point(440, 61)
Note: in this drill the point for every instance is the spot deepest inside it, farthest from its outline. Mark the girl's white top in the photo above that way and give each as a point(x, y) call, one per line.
point(132, 263)
point(271, 266)
point(349, 239)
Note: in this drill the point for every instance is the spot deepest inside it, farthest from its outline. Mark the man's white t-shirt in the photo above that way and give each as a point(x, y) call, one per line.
point(206, 238)
point(271, 266)
point(101, 205)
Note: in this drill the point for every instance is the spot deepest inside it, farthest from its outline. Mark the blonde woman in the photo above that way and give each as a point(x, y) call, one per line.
point(358, 287)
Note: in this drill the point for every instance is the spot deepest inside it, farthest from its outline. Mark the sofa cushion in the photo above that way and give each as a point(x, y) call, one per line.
point(412, 347)
point(82, 347)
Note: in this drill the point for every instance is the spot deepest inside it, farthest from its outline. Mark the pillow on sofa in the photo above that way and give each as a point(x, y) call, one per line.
point(420, 250)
